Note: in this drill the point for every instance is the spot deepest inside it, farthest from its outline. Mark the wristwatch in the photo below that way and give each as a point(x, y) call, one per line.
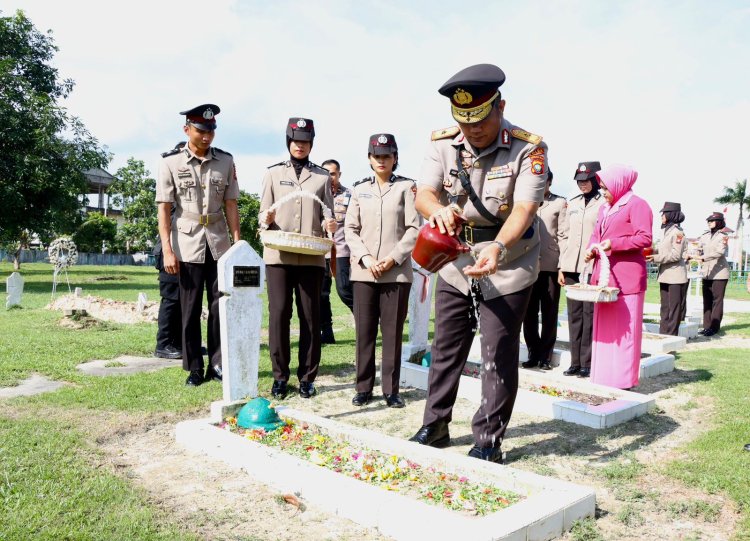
point(503, 251)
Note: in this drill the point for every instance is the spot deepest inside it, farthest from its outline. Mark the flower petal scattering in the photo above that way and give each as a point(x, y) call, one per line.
point(389, 472)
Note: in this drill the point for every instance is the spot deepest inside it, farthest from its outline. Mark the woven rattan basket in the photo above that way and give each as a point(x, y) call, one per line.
point(593, 293)
point(297, 243)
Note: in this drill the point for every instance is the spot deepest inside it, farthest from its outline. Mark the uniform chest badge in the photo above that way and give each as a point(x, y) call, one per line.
point(499, 171)
point(447, 183)
point(467, 160)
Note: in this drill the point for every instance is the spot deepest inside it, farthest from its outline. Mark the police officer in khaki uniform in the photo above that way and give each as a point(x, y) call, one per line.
point(673, 280)
point(381, 229)
point(545, 295)
point(341, 198)
point(201, 182)
point(715, 272)
point(493, 174)
point(287, 271)
point(583, 210)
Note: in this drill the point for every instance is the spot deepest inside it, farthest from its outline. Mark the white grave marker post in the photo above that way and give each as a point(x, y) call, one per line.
point(420, 302)
point(14, 288)
point(242, 275)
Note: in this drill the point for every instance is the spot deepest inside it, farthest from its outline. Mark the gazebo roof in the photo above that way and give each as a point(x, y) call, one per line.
point(98, 177)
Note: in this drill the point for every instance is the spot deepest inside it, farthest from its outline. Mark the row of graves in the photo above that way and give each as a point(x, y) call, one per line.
point(377, 480)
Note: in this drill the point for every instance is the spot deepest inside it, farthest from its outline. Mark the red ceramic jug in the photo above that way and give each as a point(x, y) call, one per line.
point(433, 249)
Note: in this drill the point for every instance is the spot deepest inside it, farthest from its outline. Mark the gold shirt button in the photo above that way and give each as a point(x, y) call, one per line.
point(477, 164)
point(296, 215)
point(503, 207)
point(296, 230)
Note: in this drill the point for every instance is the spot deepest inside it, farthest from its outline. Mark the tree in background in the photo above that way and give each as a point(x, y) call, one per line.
point(135, 191)
point(44, 149)
point(736, 196)
point(96, 234)
point(248, 206)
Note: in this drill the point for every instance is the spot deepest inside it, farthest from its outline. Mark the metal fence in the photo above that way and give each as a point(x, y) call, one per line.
point(84, 258)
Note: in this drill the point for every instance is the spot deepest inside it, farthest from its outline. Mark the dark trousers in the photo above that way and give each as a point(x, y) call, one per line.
point(672, 310)
point(500, 322)
point(580, 327)
point(343, 283)
point(193, 278)
point(386, 304)
point(545, 295)
point(713, 303)
point(282, 282)
point(169, 329)
point(326, 316)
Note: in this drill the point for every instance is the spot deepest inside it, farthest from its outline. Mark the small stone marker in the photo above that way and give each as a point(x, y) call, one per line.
point(242, 275)
point(141, 304)
point(78, 292)
point(14, 288)
point(420, 302)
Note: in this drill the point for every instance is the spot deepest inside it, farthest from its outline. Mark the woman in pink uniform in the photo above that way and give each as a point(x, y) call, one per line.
point(623, 230)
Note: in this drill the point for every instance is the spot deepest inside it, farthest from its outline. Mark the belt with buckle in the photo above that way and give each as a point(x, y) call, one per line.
point(202, 219)
point(475, 235)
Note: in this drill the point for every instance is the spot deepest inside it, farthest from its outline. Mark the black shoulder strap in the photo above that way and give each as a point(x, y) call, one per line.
point(463, 176)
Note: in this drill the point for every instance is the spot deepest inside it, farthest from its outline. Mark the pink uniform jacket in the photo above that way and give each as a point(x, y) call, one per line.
point(628, 227)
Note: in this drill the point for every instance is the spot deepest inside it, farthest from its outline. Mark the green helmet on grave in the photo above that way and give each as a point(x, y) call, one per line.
point(258, 413)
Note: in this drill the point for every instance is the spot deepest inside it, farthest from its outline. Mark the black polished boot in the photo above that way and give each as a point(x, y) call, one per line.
point(434, 435)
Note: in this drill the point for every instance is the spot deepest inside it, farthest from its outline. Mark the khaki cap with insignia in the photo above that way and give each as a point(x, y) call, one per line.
point(472, 92)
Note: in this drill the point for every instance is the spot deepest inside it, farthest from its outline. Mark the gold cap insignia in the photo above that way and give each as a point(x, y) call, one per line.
point(462, 97)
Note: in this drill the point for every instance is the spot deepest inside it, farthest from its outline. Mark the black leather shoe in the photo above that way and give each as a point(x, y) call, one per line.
point(326, 337)
point(279, 389)
point(747, 447)
point(213, 373)
point(530, 364)
point(584, 372)
point(572, 371)
point(307, 389)
point(169, 352)
point(195, 378)
point(708, 332)
point(545, 365)
point(491, 454)
point(361, 399)
point(434, 435)
point(394, 400)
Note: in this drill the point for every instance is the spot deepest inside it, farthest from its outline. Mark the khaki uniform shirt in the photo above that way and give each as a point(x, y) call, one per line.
point(301, 215)
point(382, 222)
point(553, 230)
point(500, 175)
point(714, 247)
point(197, 187)
point(340, 203)
point(581, 219)
point(670, 256)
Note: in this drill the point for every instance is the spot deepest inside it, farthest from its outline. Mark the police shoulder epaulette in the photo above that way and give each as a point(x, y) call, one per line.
point(171, 152)
point(399, 178)
point(277, 164)
point(366, 179)
point(316, 166)
point(445, 132)
point(523, 135)
point(217, 149)
point(576, 196)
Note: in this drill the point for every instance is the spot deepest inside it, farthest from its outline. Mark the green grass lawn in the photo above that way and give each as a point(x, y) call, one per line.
point(51, 487)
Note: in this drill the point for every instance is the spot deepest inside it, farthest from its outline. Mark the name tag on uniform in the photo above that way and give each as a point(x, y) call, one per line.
point(287, 183)
point(183, 173)
point(499, 171)
point(365, 195)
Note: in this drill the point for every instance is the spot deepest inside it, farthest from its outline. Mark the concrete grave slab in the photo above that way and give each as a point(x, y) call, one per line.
point(550, 506)
point(125, 365)
point(687, 329)
point(36, 384)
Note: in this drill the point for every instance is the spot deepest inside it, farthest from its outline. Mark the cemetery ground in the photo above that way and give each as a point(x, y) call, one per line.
point(97, 459)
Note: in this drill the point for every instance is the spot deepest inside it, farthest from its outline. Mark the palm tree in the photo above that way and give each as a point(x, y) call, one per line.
point(736, 196)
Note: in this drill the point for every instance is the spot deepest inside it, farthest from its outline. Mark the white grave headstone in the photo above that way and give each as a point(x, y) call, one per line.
point(242, 275)
point(78, 292)
point(420, 302)
point(141, 304)
point(14, 288)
